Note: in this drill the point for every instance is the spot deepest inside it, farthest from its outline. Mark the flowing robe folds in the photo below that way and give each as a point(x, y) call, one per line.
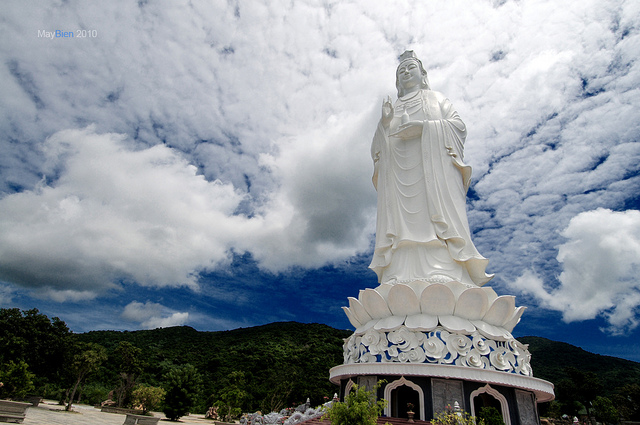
point(422, 231)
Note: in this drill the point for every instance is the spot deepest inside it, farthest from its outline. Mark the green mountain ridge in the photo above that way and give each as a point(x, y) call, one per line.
point(549, 359)
point(283, 363)
point(302, 355)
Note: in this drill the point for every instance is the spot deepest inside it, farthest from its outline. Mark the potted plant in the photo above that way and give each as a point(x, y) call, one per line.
point(410, 412)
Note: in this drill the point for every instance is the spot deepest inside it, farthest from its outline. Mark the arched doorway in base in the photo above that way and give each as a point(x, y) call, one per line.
point(401, 392)
point(348, 388)
point(489, 397)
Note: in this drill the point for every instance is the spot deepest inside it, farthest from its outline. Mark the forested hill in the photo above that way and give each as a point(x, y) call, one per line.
point(549, 360)
point(291, 361)
point(281, 363)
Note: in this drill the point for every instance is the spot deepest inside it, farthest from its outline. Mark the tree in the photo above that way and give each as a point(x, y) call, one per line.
point(627, 402)
point(232, 396)
point(31, 337)
point(17, 380)
point(88, 358)
point(148, 397)
point(582, 387)
point(182, 385)
point(130, 366)
point(605, 411)
point(359, 408)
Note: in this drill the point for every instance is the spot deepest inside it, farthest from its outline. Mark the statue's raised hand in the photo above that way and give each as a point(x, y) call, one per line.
point(387, 112)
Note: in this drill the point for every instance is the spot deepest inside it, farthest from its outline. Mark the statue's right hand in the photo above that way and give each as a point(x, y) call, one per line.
point(387, 111)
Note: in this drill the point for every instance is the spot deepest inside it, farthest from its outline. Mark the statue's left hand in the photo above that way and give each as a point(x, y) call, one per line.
point(409, 130)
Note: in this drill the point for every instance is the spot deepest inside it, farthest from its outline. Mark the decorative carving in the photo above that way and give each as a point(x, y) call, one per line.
point(527, 408)
point(438, 346)
point(446, 393)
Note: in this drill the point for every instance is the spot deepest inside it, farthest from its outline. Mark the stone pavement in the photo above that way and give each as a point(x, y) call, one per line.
point(49, 412)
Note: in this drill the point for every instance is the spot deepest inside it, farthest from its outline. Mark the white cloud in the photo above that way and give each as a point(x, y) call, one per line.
point(153, 315)
point(600, 266)
point(116, 214)
point(144, 215)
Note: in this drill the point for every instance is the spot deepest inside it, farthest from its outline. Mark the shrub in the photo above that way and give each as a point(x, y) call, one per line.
point(183, 387)
point(94, 393)
point(148, 397)
point(359, 408)
point(449, 417)
point(17, 380)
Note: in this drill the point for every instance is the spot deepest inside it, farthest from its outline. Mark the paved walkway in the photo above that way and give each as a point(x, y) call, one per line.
point(50, 413)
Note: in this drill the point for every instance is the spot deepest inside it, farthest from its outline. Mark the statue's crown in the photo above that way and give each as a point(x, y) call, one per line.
point(408, 54)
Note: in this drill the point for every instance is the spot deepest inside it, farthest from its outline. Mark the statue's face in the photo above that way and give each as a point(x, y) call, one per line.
point(409, 75)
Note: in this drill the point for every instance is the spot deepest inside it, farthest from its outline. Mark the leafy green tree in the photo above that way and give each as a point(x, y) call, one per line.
point(605, 411)
point(359, 408)
point(183, 386)
point(148, 397)
point(627, 402)
point(233, 395)
point(88, 358)
point(130, 365)
point(17, 380)
point(581, 387)
point(31, 337)
point(553, 409)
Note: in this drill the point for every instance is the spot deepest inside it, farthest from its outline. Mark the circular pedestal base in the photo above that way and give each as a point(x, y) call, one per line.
point(435, 387)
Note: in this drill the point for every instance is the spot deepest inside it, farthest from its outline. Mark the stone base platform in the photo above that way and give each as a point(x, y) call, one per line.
point(433, 387)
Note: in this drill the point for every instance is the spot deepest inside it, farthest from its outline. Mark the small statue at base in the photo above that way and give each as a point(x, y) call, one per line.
point(212, 413)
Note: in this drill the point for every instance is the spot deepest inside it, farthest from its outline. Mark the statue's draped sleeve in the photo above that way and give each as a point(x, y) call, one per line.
point(448, 179)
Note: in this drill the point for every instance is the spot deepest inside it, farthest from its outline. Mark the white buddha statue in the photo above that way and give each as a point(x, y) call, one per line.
point(422, 231)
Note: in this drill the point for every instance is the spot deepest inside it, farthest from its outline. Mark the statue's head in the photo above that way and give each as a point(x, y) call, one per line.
point(407, 58)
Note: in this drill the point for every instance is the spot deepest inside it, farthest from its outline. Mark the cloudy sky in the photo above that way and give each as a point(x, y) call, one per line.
point(206, 163)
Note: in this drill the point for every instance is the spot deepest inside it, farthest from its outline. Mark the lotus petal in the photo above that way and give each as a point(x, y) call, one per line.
point(355, 322)
point(492, 332)
point(456, 324)
point(362, 329)
point(513, 321)
point(491, 294)
point(418, 286)
point(456, 287)
point(403, 300)
point(384, 289)
point(421, 322)
point(358, 310)
point(472, 304)
point(501, 310)
point(437, 300)
point(375, 305)
point(389, 323)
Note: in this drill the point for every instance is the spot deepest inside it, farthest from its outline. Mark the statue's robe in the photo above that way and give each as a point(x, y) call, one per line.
point(422, 231)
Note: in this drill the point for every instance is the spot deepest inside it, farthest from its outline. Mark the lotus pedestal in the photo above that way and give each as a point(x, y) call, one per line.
point(438, 343)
